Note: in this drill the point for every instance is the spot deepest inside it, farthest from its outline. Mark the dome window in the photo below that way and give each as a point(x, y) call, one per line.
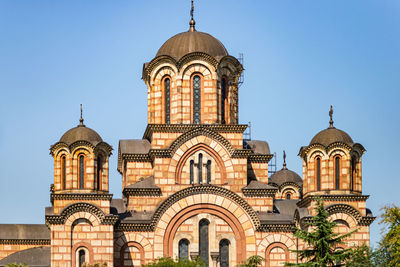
point(63, 172)
point(81, 172)
point(167, 96)
point(318, 173)
point(337, 173)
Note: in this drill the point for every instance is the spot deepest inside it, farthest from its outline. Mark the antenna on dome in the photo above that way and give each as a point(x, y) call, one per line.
point(331, 115)
point(81, 119)
point(192, 22)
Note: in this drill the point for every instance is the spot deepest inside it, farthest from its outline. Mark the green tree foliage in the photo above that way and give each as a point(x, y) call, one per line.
point(95, 265)
point(389, 247)
point(16, 265)
point(321, 241)
point(362, 257)
point(168, 262)
point(252, 261)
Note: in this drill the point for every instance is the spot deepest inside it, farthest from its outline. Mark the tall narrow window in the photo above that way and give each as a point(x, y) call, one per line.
point(183, 249)
point(82, 257)
point(288, 196)
point(352, 173)
point(203, 240)
point(337, 172)
point(200, 168)
point(63, 172)
point(167, 89)
point(99, 172)
point(81, 171)
point(223, 98)
point(191, 172)
point(196, 99)
point(318, 174)
point(224, 252)
point(209, 172)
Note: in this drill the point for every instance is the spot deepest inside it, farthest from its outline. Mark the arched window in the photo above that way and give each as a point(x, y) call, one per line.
point(203, 240)
point(224, 252)
point(200, 165)
point(183, 249)
point(99, 172)
point(352, 172)
point(81, 257)
point(196, 99)
point(223, 99)
point(209, 172)
point(288, 196)
point(191, 172)
point(318, 172)
point(63, 172)
point(167, 98)
point(81, 171)
point(337, 173)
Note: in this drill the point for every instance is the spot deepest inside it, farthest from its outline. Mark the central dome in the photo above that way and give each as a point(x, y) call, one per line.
point(192, 41)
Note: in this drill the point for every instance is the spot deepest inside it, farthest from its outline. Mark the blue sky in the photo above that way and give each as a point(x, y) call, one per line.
point(299, 57)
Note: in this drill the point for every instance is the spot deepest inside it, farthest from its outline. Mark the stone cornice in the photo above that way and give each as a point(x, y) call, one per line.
point(340, 198)
point(259, 192)
point(305, 149)
point(265, 227)
point(80, 196)
point(181, 128)
point(134, 227)
point(141, 192)
point(260, 158)
point(102, 145)
point(25, 242)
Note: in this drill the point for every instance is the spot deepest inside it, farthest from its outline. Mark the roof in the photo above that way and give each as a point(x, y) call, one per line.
point(138, 217)
point(33, 257)
point(147, 183)
point(330, 136)
point(81, 132)
point(24, 231)
point(258, 146)
point(192, 41)
point(285, 175)
point(134, 146)
point(117, 206)
point(254, 184)
point(284, 212)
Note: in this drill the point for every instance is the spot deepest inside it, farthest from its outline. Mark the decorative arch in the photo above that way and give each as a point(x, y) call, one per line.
point(271, 247)
point(76, 247)
point(346, 209)
point(131, 244)
point(217, 191)
point(194, 149)
point(218, 211)
point(200, 131)
point(275, 238)
point(128, 237)
point(75, 211)
point(205, 59)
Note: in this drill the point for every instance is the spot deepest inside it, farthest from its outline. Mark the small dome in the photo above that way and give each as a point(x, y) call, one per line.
point(330, 136)
point(285, 175)
point(192, 41)
point(81, 132)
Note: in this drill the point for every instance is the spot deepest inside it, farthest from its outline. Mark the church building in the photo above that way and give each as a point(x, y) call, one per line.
point(192, 186)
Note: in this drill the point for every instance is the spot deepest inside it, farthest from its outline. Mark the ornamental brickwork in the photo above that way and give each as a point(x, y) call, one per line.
point(192, 186)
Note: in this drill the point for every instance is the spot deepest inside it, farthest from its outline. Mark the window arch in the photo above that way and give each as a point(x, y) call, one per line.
point(337, 172)
point(196, 99)
point(82, 256)
point(288, 196)
point(81, 172)
point(223, 100)
point(353, 172)
point(63, 172)
point(200, 169)
point(318, 173)
point(192, 172)
point(203, 240)
point(224, 252)
point(183, 249)
point(167, 99)
point(99, 172)
point(208, 166)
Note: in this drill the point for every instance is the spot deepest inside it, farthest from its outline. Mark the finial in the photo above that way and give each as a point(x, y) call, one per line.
point(192, 22)
point(284, 159)
point(331, 115)
point(81, 119)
